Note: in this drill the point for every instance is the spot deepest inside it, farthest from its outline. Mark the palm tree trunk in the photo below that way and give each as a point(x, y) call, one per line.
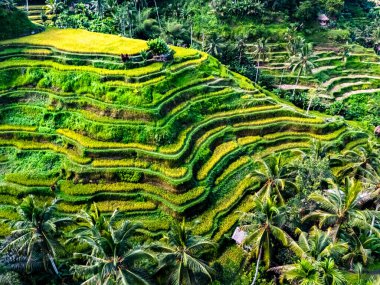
point(191, 35)
point(298, 79)
point(257, 70)
point(308, 107)
point(203, 41)
point(27, 6)
point(257, 266)
point(373, 220)
point(158, 15)
point(282, 75)
point(53, 264)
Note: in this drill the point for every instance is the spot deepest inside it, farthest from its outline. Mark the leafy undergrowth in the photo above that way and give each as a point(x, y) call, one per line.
point(15, 23)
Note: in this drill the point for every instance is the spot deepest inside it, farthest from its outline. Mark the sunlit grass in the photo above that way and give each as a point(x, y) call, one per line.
point(82, 41)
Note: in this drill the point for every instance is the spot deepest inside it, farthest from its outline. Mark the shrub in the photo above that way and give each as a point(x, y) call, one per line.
point(158, 46)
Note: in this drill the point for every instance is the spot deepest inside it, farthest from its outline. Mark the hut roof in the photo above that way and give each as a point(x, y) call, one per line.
point(323, 17)
point(239, 235)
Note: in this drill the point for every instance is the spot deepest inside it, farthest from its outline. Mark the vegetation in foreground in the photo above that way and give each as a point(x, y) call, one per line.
point(336, 231)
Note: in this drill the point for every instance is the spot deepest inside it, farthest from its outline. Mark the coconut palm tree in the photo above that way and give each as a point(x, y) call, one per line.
point(52, 7)
point(313, 94)
point(360, 248)
point(140, 5)
point(342, 206)
point(158, 14)
point(8, 4)
point(376, 36)
point(35, 234)
point(330, 275)
point(312, 167)
point(241, 49)
point(372, 181)
point(274, 178)
point(308, 272)
point(99, 6)
point(294, 44)
point(263, 226)
point(214, 44)
point(302, 272)
point(113, 258)
point(302, 62)
point(124, 17)
point(360, 160)
point(318, 244)
point(345, 52)
point(180, 255)
point(173, 32)
point(260, 54)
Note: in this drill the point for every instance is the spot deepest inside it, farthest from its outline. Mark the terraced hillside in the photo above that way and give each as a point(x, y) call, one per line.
point(340, 76)
point(34, 13)
point(155, 139)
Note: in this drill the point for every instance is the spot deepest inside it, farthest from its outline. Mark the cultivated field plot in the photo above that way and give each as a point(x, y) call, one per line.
point(154, 139)
point(341, 74)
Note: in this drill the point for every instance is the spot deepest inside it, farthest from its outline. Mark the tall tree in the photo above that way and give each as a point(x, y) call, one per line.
point(308, 272)
point(358, 161)
point(274, 177)
point(260, 54)
point(214, 44)
point(263, 226)
point(180, 256)
point(113, 258)
point(318, 244)
point(342, 206)
point(36, 234)
point(313, 94)
point(303, 62)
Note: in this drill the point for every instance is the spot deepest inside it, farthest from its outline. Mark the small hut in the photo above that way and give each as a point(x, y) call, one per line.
point(239, 235)
point(324, 21)
point(377, 131)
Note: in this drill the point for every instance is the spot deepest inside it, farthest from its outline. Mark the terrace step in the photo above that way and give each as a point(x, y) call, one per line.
point(352, 76)
point(356, 92)
point(339, 87)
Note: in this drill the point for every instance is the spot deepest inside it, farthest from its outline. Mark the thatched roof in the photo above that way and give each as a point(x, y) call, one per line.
point(377, 131)
point(239, 235)
point(323, 17)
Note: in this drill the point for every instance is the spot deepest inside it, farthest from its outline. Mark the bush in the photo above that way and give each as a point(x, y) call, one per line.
point(158, 46)
point(15, 23)
point(340, 36)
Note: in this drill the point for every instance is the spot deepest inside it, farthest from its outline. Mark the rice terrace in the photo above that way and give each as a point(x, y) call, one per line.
point(190, 142)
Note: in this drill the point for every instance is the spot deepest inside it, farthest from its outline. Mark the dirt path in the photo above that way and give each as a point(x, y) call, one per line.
point(332, 80)
point(323, 68)
point(339, 87)
point(291, 87)
point(327, 58)
point(348, 94)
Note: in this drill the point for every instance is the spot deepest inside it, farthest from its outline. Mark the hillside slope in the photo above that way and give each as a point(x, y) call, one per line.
point(15, 23)
point(154, 139)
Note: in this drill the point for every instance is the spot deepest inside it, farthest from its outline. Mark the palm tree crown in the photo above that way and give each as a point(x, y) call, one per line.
point(180, 257)
point(36, 234)
point(342, 206)
point(302, 62)
point(113, 259)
